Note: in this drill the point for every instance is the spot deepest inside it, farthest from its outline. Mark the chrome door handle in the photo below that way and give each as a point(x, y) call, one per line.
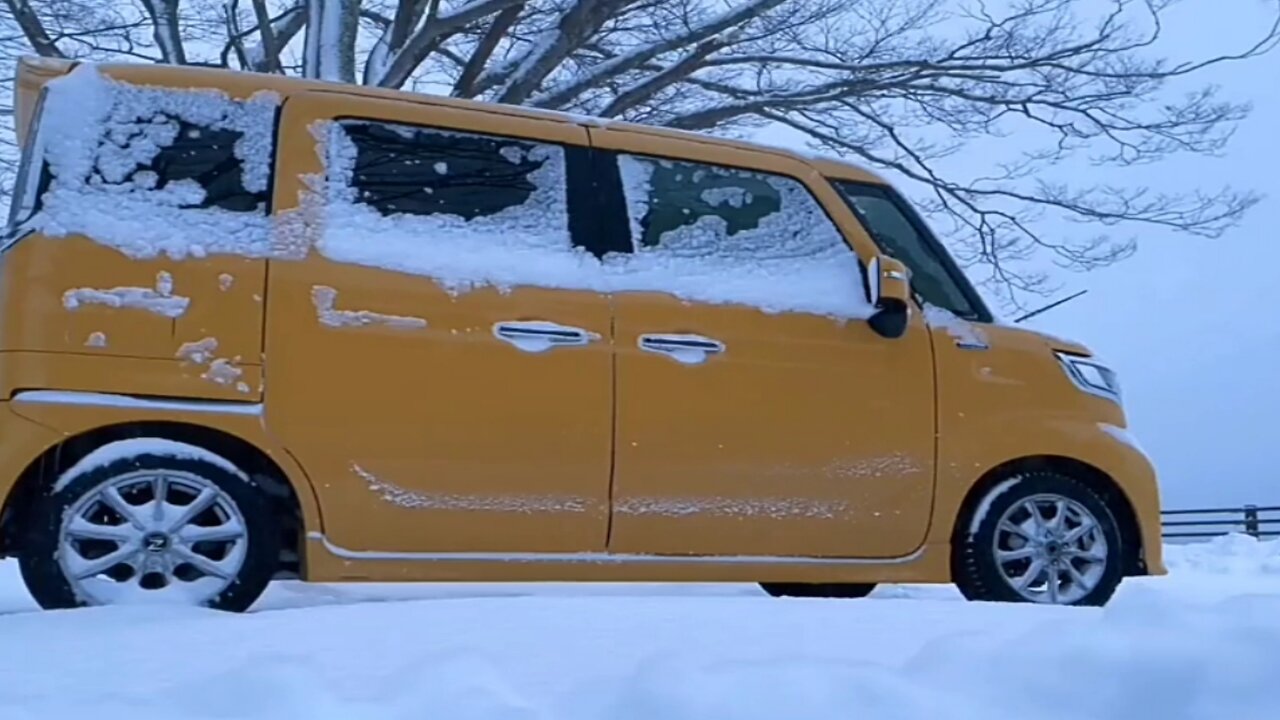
point(540, 335)
point(688, 349)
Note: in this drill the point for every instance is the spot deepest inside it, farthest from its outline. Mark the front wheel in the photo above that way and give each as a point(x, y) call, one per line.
point(1041, 537)
point(167, 524)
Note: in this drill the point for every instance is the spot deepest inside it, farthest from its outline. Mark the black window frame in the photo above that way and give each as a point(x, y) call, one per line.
point(586, 217)
point(929, 241)
point(27, 173)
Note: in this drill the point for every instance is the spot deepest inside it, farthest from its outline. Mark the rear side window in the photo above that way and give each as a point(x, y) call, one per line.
point(193, 164)
point(465, 209)
point(404, 170)
point(729, 235)
point(151, 170)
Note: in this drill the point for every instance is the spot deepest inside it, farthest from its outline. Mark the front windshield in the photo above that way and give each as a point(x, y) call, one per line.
point(904, 238)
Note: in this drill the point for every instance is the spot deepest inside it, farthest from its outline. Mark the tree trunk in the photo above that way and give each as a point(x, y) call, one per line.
point(329, 51)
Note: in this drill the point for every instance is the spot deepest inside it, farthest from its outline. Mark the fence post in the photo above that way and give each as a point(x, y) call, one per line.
point(1251, 520)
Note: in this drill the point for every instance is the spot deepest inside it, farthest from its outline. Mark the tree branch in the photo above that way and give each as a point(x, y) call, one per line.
point(33, 29)
point(167, 30)
point(419, 45)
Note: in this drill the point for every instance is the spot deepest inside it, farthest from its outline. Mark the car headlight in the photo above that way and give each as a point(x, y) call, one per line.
point(1091, 376)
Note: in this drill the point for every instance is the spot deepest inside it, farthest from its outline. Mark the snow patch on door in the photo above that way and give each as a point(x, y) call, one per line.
point(160, 301)
point(776, 508)
point(220, 371)
point(96, 339)
point(324, 298)
point(894, 465)
point(225, 281)
point(415, 500)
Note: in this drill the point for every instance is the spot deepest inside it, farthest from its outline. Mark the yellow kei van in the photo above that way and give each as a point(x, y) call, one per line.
point(255, 327)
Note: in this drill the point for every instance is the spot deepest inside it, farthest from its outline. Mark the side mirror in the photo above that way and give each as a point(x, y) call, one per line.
point(889, 290)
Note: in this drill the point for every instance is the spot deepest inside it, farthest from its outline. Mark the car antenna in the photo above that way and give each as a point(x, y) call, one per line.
point(1050, 306)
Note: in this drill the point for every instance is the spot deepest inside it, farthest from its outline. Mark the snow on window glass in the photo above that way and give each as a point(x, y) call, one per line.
point(152, 171)
point(720, 234)
point(463, 209)
point(470, 210)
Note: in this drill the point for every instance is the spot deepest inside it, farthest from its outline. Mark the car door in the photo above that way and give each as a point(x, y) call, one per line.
point(757, 413)
point(444, 392)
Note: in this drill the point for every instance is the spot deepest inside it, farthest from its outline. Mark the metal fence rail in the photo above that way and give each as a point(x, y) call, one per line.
point(1260, 522)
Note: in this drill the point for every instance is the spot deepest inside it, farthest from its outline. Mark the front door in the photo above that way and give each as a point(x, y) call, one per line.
point(757, 413)
point(441, 391)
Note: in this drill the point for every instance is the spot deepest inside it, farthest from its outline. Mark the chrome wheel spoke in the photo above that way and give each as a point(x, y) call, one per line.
point(85, 530)
point(1076, 534)
point(1033, 572)
point(159, 491)
point(193, 534)
point(202, 502)
point(132, 513)
point(1059, 516)
point(1018, 530)
point(1019, 554)
point(203, 564)
point(1090, 555)
point(82, 568)
point(1079, 580)
point(1033, 507)
point(1052, 579)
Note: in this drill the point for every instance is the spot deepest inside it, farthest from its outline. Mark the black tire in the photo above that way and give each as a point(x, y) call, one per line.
point(51, 588)
point(974, 567)
point(819, 590)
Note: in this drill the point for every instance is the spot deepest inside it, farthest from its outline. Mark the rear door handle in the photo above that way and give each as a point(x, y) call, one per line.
point(688, 349)
point(540, 335)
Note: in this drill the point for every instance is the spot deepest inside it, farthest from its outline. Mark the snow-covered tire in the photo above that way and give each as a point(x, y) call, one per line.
point(212, 542)
point(1036, 527)
point(819, 590)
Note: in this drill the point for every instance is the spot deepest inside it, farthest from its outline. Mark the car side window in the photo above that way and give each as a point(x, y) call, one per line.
point(896, 234)
point(154, 154)
point(188, 153)
point(405, 170)
point(465, 209)
point(730, 235)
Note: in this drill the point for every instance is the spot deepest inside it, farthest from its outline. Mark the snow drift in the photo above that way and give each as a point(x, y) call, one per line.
point(1203, 643)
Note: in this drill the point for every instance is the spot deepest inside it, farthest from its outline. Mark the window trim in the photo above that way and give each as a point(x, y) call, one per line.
point(981, 313)
point(28, 180)
point(583, 219)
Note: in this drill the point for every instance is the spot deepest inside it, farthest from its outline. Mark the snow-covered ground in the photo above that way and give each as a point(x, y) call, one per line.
point(1203, 642)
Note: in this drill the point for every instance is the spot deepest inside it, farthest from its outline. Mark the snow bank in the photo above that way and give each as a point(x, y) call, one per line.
point(648, 651)
point(1235, 554)
point(651, 656)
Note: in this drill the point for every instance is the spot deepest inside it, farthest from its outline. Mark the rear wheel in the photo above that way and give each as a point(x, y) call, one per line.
point(819, 590)
point(1041, 537)
point(169, 523)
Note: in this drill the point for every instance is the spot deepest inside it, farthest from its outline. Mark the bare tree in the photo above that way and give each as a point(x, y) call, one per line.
point(901, 85)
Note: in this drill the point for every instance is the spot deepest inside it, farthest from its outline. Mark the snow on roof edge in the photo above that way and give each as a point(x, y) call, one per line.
point(287, 85)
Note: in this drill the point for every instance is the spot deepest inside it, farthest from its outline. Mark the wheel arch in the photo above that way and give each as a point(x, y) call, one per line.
point(295, 506)
point(1092, 477)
